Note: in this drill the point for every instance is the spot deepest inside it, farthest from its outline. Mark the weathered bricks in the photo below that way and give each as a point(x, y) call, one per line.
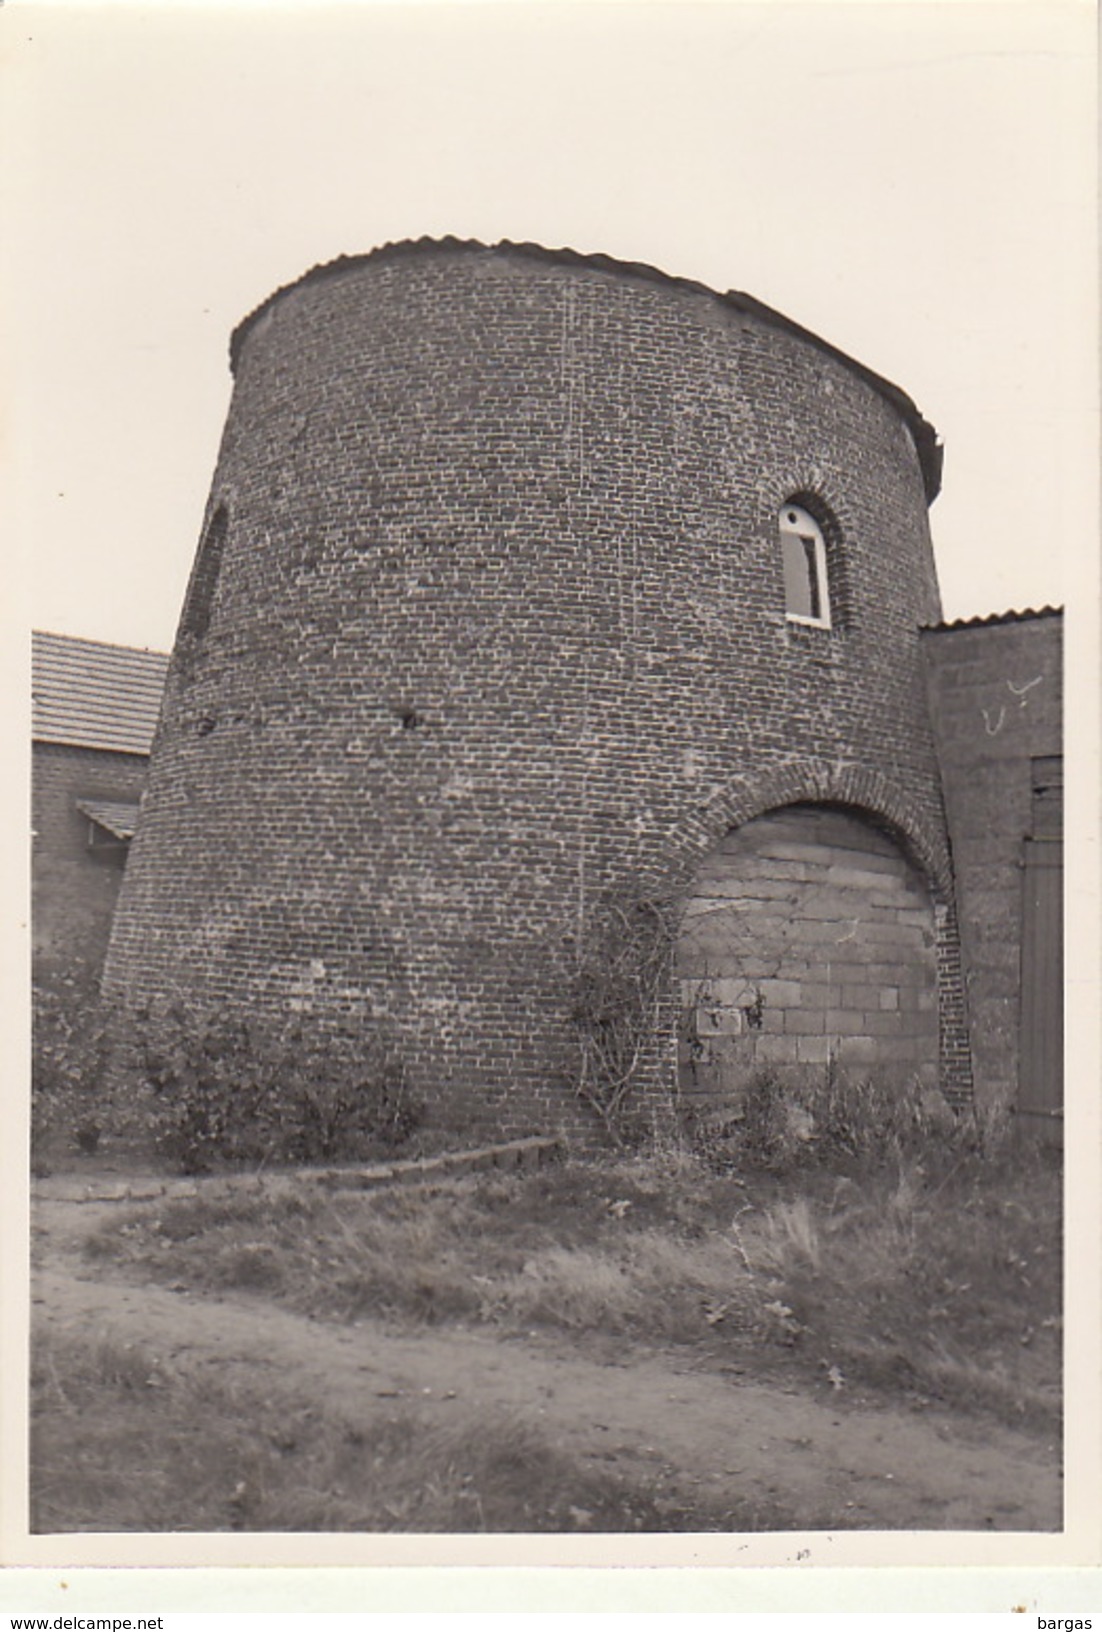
point(497, 628)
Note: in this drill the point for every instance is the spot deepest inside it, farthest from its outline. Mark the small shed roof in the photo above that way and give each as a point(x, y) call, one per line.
point(115, 817)
point(88, 694)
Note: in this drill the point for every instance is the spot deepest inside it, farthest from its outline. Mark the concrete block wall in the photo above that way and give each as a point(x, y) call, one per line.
point(809, 938)
point(995, 690)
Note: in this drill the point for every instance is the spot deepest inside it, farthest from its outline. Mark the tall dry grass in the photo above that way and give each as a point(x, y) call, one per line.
point(941, 1286)
point(918, 1277)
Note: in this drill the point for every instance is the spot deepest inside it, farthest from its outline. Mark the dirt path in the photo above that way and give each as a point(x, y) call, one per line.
point(718, 1437)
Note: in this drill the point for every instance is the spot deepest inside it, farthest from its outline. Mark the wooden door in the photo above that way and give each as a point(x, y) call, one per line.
point(1041, 1073)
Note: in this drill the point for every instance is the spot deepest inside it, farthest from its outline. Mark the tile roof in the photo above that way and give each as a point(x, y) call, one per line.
point(88, 694)
point(120, 820)
point(984, 620)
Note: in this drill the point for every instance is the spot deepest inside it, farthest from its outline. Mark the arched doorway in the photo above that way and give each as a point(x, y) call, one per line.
point(808, 938)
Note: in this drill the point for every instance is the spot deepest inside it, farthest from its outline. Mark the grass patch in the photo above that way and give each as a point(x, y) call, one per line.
point(648, 1283)
point(938, 1278)
point(942, 1285)
point(121, 1442)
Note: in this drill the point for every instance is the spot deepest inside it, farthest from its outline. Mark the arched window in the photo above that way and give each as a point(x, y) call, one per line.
point(804, 559)
point(204, 577)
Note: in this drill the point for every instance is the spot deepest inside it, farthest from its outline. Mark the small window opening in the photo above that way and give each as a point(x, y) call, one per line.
point(204, 577)
point(804, 560)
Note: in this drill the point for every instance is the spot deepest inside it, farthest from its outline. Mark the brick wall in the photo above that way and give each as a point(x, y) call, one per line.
point(74, 888)
point(500, 627)
point(996, 702)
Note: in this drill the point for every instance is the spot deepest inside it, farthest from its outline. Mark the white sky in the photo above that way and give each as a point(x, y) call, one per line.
point(912, 182)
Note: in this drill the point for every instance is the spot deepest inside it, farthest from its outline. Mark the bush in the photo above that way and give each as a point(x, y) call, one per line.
point(68, 1055)
point(616, 994)
point(242, 1091)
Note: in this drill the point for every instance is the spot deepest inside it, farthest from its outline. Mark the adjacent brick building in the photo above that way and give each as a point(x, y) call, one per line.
point(94, 714)
point(996, 701)
point(533, 586)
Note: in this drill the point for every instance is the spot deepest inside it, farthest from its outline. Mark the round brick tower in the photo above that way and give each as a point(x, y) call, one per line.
point(526, 579)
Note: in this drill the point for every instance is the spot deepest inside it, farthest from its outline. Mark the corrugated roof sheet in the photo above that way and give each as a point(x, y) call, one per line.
point(88, 694)
point(989, 618)
point(120, 820)
point(927, 444)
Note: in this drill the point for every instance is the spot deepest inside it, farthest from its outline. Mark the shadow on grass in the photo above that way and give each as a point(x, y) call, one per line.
point(123, 1443)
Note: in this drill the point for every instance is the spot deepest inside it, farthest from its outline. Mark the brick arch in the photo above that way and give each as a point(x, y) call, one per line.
point(808, 781)
point(807, 485)
point(870, 793)
point(820, 497)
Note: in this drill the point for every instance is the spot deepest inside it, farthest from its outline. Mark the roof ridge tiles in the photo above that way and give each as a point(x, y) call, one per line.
point(984, 619)
point(107, 645)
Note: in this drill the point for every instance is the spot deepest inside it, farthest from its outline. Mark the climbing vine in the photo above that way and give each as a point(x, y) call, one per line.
point(620, 989)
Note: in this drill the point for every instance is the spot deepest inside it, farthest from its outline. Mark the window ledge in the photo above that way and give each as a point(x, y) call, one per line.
point(794, 620)
point(815, 641)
